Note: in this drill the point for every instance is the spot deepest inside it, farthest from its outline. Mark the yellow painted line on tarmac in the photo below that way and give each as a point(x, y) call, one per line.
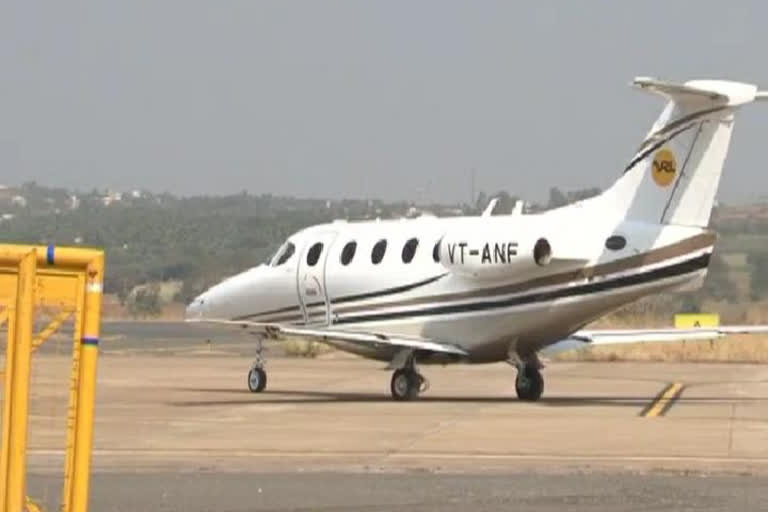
point(663, 401)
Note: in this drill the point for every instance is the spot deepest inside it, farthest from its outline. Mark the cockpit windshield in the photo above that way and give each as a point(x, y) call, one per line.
point(283, 254)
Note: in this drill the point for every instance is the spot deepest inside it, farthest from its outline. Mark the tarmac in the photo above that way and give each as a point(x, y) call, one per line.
point(176, 423)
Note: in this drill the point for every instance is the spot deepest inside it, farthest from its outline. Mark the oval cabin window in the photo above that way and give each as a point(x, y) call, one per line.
point(377, 254)
point(313, 254)
point(348, 252)
point(615, 242)
point(409, 250)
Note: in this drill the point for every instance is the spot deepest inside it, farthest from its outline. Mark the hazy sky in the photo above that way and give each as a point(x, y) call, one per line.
point(390, 99)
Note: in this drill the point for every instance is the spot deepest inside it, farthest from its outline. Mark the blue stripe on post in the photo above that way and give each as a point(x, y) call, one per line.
point(90, 341)
point(50, 254)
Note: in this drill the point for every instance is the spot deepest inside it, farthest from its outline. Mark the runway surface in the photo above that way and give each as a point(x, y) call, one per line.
point(419, 492)
point(174, 419)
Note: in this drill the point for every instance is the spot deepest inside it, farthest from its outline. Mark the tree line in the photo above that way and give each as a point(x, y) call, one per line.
point(200, 240)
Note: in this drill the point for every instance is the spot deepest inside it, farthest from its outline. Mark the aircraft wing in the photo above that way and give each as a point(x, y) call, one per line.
point(331, 334)
point(582, 339)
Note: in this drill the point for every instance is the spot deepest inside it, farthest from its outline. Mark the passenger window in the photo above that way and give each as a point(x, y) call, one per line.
point(378, 251)
point(313, 254)
point(409, 250)
point(436, 252)
point(348, 252)
point(286, 254)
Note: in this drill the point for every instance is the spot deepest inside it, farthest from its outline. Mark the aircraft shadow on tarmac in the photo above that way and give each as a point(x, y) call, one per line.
point(273, 397)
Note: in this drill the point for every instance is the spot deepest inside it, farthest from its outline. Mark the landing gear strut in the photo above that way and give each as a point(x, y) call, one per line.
point(257, 377)
point(529, 383)
point(407, 382)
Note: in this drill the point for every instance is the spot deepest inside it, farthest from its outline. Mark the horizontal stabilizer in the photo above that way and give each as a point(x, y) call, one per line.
point(711, 91)
point(673, 89)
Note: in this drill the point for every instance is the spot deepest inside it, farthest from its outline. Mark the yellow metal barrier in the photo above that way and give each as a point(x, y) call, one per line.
point(13, 457)
point(51, 329)
point(70, 279)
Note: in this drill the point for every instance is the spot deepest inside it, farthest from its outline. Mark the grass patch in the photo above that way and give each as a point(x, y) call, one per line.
point(303, 348)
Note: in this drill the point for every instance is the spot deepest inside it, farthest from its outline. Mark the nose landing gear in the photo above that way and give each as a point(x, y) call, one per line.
point(257, 376)
point(257, 379)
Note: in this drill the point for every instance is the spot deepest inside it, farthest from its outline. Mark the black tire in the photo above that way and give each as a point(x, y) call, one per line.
point(405, 384)
point(529, 384)
point(257, 380)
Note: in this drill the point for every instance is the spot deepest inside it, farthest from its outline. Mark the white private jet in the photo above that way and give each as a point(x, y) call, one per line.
point(502, 288)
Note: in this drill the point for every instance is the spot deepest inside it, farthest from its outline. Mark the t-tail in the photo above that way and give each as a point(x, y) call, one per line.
point(674, 175)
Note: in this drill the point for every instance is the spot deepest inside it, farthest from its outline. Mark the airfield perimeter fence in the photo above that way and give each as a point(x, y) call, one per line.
point(45, 293)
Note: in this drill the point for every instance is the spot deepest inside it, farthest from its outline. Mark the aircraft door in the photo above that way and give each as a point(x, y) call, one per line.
point(313, 296)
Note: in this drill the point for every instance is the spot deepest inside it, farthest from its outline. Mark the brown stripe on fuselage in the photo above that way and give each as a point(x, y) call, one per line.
point(282, 319)
point(674, 250)
point(286, 309)
point(290, 312)
point(680, 248)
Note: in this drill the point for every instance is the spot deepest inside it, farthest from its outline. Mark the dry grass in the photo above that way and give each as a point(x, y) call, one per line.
point(739, 348)
point(303, 348)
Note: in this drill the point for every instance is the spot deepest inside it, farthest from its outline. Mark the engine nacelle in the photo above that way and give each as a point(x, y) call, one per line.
point(484, 258)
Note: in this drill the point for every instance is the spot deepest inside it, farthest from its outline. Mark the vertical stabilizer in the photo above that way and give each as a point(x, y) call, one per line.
point(674, 175)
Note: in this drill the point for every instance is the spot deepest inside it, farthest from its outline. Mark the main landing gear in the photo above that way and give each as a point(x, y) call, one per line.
point(257, 376)
point(529, 384)
point(407, 382)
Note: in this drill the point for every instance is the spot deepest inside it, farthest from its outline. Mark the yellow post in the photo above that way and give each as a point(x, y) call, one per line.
point(9, 358)
point(18, 369)
point(89, 354)
point(74, 378)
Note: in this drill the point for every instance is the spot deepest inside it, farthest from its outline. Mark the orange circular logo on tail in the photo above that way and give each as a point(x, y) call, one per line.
point(664, 168)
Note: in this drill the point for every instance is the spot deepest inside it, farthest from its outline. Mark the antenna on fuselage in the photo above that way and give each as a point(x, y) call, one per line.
point(489, 209)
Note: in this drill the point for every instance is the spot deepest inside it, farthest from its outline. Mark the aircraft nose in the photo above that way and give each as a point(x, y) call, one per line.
point(196, 308)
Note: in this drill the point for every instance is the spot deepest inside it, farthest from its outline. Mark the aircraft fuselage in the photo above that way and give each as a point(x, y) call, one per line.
point(471, 281)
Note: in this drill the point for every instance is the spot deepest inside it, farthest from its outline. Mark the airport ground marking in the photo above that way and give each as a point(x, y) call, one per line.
point(663, 401)
point(146, 455)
